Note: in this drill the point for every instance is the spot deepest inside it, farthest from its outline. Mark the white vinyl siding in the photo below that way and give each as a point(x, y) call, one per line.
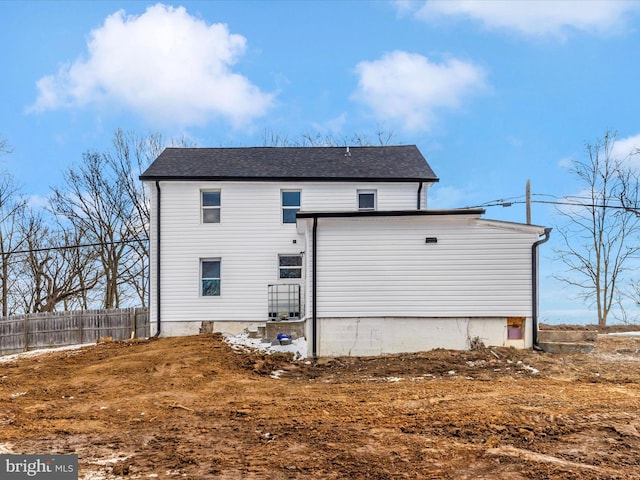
point(249, 240)
point(327, 196)
point(385, 268)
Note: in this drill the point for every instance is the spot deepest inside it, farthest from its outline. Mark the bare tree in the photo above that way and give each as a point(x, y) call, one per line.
point(629, 197)
point(4, 146)
point(382, 137)
point(130, 156)
point(104, 199)
point(12, 207)
point(271, 138)
point(57, 268)
point(599, 237)
point(95, 202)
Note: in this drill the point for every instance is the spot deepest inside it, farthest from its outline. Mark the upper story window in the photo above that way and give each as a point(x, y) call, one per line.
point(210, 278)
point(210, 200)
point(290, 205)
point(290, 266)
point(366, 200)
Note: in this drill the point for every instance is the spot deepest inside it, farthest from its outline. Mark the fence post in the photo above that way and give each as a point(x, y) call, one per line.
point(26, 332)
point(81, 326)
point(134, 318)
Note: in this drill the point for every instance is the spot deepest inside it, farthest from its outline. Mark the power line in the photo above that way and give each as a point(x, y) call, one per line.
point(502, 203)
point(79, 245)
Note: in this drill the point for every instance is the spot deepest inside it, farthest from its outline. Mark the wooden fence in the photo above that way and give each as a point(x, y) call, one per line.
point(19, 333)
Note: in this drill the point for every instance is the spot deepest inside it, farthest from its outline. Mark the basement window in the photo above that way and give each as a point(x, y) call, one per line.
point(515, 328)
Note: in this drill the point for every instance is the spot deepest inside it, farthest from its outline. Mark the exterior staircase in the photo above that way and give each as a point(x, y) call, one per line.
point(567, 341)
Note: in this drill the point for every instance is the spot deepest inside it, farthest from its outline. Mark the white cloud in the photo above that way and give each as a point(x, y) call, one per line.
point(625, 147)
point(165, 65)
point(38, 202)
point(408, 88)
point(535, 17)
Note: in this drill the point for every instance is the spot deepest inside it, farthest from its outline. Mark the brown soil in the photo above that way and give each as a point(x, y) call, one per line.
point(623, 327)
point(193, 407)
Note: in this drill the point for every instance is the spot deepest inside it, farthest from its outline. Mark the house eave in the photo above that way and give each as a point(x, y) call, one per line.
point(153, 178)
point(392, 213)
point(521, 227)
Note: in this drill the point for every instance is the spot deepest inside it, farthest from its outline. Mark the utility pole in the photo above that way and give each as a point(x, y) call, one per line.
point(528, 195)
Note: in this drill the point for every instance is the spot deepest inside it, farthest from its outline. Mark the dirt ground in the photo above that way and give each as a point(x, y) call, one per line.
point(195, 408)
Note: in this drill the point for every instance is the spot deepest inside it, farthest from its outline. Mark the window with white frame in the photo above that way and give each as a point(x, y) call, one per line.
point(290, 205)
point(366, 200)
point(290, 266)
point(210, 277)
point(210, 200)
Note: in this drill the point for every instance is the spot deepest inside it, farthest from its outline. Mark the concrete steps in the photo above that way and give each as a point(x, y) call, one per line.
point(567, 347)
point(271, 330)
point(567, 341)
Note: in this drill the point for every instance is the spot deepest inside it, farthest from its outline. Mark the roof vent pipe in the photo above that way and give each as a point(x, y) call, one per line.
point(348, 154)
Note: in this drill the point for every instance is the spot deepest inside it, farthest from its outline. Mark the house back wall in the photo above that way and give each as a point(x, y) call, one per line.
point(382, 288)
point(383, 267)
point(247, 240)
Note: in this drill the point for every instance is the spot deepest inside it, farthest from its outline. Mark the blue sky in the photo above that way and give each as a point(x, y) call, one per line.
point(493, 93)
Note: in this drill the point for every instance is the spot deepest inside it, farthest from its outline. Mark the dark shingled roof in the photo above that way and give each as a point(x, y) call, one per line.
point(388, 163)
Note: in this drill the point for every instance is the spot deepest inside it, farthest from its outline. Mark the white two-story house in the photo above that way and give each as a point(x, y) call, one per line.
point(339, 239)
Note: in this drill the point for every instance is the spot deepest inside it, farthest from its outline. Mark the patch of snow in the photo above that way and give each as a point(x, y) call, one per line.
point(110, 461)
point(621, 334)
point(242, 342)
point(5, 449)
point(385, 379)
point(42, 351)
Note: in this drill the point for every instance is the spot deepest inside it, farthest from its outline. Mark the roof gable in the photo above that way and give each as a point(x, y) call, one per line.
point(385, 163)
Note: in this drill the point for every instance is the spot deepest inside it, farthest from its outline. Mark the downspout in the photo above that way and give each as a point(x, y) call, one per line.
point(314, 288)
point(157, 260)
point(419, 196)
point(534, 287)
